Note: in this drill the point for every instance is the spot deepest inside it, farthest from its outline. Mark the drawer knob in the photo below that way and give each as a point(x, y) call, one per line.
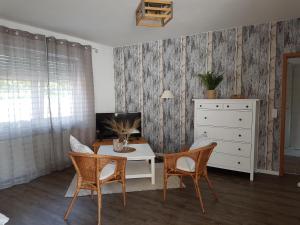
point(217, 106)
point(247, 106)
point(205, 132)
point(200, 105)
point(238, 162)
point(205, 117)
point(227, 106)
point(240, 135)
point(240, 119)
point(239, 149)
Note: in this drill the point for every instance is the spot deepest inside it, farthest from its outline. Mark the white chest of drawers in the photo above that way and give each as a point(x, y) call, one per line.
point(233, 124)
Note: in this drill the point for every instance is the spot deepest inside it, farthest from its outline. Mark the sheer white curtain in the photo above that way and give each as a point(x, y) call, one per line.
point(46, 93)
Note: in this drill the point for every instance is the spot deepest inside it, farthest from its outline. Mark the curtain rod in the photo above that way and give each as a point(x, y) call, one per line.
point(17, 31)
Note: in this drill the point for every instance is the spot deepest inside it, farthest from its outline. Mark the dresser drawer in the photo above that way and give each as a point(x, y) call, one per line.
point(225, 118)
point(229, 162)
point(233, 148)
point(223, 133)
point(208, 106)
point(244, 106)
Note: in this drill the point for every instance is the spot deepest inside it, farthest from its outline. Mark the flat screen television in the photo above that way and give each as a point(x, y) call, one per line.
point(102, 130)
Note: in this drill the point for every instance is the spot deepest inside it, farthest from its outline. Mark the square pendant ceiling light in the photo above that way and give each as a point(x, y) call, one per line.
point(154, 13)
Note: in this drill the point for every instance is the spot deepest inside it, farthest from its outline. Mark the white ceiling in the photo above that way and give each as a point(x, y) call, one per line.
point(112, 22)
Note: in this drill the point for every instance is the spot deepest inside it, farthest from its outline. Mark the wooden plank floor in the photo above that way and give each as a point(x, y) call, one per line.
point(268, 200)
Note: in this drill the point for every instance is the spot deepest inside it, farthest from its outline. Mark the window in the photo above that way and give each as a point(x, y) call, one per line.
point(16, 100)
point(61, 100)
point(34, 96)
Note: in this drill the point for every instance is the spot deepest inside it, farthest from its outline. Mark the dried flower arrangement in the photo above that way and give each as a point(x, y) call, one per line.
point(124, 129)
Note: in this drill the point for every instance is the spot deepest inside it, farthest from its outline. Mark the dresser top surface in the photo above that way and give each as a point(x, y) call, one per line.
point(222, 100)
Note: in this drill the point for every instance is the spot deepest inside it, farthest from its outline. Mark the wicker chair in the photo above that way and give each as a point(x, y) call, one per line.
point(93, 171)
point(197, 159)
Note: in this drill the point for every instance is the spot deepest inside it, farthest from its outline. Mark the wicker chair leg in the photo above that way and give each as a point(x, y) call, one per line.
point(99, 205)
point(196, 189)
point(124, 192)
point(71, 205)
point(199, 194)
point(211, 187)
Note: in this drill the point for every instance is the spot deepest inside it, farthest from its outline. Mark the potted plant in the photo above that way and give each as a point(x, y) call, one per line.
point(211, 81)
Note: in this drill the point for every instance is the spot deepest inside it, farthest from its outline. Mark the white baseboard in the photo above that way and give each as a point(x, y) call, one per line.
point(270, 172)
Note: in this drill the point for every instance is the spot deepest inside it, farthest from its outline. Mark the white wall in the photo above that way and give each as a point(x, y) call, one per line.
point(102, 65)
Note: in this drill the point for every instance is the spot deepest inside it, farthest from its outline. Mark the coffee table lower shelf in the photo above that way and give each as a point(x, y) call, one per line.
point(138, 169)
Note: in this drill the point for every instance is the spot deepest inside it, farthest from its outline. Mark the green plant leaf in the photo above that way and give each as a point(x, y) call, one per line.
point(211, 80)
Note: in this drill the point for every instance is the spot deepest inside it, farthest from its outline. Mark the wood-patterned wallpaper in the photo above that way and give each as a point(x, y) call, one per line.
point(250, 58)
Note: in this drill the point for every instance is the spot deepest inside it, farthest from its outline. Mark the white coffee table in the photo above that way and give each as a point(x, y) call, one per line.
point(137, 161)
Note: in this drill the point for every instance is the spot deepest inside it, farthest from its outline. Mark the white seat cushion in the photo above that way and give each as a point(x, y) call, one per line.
point(186, 164)
point(107, 171)
point(76, 146)
point(3, 219)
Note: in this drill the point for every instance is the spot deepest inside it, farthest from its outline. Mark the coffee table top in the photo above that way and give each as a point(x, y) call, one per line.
point(143, 151)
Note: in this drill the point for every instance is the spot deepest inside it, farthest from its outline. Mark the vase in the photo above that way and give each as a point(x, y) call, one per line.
point(117, 145)
point(211, 94)
point(124, 139)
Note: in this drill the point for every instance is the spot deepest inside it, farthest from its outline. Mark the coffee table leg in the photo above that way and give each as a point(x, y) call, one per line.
point(153, 171)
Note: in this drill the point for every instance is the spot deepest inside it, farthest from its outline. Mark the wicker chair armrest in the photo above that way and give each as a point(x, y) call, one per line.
point(178, 155)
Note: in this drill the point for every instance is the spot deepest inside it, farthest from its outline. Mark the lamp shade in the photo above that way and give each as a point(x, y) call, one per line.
point(167, 94)
point(135, 131)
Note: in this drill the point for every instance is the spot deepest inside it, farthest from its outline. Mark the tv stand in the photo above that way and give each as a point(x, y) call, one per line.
point(135, 140)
